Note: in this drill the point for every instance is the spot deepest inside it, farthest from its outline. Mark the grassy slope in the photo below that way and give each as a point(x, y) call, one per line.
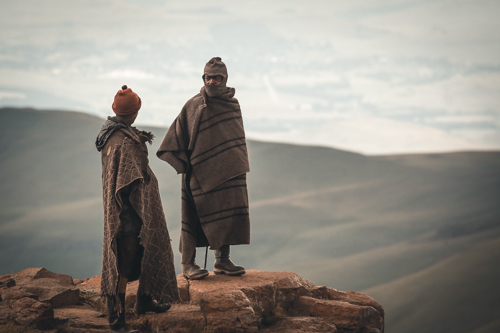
point(341, 219)
point(51, 207)
point(362, 225)
point(457, 294)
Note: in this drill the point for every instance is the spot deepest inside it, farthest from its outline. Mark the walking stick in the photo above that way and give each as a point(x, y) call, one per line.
point(206, 253)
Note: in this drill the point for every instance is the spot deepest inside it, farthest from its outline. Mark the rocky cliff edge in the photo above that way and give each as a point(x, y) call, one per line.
point(258, 301)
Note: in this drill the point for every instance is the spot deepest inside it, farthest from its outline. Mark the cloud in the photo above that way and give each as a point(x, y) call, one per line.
point(431, 64)
point(270, 90)
point(374, 135)
point(127, 74)
point(11, 95)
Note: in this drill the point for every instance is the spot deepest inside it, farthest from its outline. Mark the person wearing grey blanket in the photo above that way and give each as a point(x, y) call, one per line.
point(206, 144)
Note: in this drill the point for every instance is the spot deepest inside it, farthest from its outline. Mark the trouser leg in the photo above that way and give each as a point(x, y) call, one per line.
point(187, 247)
point(190, 229)
point(128, 249)
point(112, 312)
point(190, 268)
point(129, 256)
point(116, 318)
point(224, 265)
point(120, 326)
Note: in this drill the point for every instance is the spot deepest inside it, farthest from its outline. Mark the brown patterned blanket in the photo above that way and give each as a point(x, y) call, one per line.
point(124, 162)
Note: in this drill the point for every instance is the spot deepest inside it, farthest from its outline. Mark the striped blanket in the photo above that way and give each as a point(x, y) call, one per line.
point(206, 143)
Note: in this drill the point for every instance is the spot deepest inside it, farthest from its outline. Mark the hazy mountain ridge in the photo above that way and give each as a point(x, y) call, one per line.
point(441, 288)
point(342, 219)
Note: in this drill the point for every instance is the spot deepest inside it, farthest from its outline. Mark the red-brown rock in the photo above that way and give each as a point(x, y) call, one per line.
point(6, 281)
point(7, 315)
point(82, 317)
point(181, 318)
point(239, 304)
point(354, 297)
point(30, 312)
point(345, 316)
point(10, 295)
point(92, 284)
point(56, 289)
point(183, 286)
point(257, 301)
point(301, 325)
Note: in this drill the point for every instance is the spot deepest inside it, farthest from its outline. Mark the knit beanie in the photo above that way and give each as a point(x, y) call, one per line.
point(215, 66)
point(126, 102)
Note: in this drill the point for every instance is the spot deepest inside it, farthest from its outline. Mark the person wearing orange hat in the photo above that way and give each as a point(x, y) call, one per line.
point(136, 242)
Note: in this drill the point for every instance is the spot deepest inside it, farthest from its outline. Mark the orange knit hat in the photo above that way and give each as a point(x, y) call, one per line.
point(126, 102)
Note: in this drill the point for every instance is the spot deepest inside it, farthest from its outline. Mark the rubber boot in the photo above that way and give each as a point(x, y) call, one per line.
point(117, 321)
point(189, 267)
point(224, 265)
point(145, 303)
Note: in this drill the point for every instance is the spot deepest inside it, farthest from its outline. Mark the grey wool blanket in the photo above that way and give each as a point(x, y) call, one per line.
point(125, 165)
point(206, 143)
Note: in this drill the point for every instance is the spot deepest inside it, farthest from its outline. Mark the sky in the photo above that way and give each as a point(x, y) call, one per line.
point(374, 77)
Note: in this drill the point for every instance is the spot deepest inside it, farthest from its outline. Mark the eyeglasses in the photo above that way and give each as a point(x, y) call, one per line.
point(214, 78)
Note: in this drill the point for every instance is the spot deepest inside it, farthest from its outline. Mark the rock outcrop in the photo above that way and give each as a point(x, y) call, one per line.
point(258, 301)
point(29, 297)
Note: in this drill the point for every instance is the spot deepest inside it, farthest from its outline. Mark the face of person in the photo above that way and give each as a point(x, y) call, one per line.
point(134, 116)
point(211, 80)
point(129, 120)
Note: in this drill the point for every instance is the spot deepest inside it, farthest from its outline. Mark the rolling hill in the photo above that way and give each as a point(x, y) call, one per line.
point(419, 232)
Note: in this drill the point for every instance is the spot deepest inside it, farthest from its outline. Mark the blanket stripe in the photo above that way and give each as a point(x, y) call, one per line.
point(206, 143)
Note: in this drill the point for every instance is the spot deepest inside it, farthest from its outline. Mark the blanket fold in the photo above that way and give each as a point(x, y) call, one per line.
point(206, 143)
point(125, 165)
point(207, 136)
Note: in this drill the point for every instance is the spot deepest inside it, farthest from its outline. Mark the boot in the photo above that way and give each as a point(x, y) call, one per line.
point(117, 320)
point(190, 269)
point(145, 303)
point(112, 313)
point(224, 265)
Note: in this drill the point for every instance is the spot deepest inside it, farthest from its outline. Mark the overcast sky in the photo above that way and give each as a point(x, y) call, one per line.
point(375, 77)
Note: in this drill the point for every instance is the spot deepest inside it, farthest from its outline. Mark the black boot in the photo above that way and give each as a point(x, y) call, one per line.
point(112, 313)
point(117, 320)
point(145, 303)
point(189, 267)
point(224, 265)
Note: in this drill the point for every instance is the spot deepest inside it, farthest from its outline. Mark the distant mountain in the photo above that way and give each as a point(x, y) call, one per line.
point(420, 233)
point(457, 294)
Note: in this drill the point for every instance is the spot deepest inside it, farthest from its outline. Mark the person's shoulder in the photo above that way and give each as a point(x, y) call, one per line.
point(195, 100)
point(118, 138)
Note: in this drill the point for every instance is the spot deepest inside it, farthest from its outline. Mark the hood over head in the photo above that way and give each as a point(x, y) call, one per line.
point(213, 67)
